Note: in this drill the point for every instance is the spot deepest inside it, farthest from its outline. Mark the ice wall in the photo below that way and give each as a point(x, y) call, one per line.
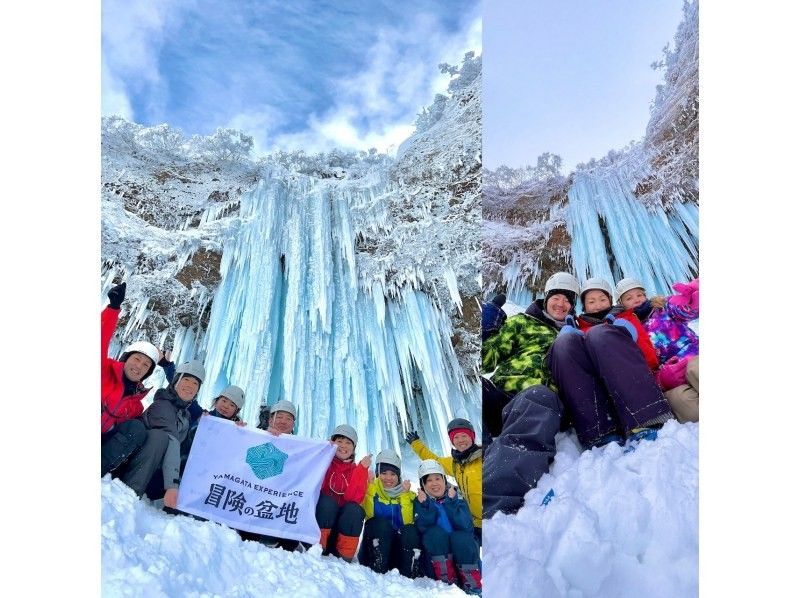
point(656, 246)
point(293, 319)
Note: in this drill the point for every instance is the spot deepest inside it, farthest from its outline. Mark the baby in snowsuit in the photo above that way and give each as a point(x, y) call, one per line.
point(677, 345)
point(339, 511)
point(445, 523)
point(391, 539)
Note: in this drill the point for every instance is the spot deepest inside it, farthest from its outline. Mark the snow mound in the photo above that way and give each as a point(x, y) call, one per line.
point(620, 524)
point(146, 552)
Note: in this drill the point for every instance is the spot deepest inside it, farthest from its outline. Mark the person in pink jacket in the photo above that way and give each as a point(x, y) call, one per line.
point(677, 344)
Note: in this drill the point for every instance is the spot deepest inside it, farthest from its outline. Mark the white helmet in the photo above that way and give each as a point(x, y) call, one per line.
point(597, 284)
point(283, 405)
point(191, 368)
point(346, 431)
point(145, 348)
point(429, 466)
point(562, 280)
point(626, 284)
point(234, 394)
point(389, 457)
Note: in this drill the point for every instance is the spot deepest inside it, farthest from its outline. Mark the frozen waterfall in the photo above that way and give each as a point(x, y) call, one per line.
point(293, 319)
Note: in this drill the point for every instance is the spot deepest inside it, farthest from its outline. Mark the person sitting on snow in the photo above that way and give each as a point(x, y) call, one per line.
point(521, 411)
point(391, 539)
point(339, 511)
point(676, 344)
point(167, 421)
point(121, 388)
point(604, 377)
point(465, 464)
point(445, 524)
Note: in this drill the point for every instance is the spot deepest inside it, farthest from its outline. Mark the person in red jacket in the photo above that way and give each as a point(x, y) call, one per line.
point(121, 389)
point(339, 511)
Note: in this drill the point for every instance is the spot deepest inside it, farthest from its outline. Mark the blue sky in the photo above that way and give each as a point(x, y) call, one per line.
point(571, 77)
point(302, 74)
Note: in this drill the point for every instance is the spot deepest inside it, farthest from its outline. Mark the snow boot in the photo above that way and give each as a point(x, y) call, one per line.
point(377, 564)
point(324, 534)
point(470, 577)
point(607, 439)
point(444, 569)
point(649, 433)
point(346, 547)
point(415, 564)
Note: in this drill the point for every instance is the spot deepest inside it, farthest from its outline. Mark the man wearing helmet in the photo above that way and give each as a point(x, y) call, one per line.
point(167, 421)
point(121, 388)
point(520, 407)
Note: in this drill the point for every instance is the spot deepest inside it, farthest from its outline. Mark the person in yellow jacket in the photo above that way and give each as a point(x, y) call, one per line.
point(391, 540)
point(465, 464)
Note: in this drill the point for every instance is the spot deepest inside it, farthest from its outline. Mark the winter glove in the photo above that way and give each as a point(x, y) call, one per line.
point(673, 373)
point(570, 327)
point(492, 316)
point(624, 324)
point(412, 436)
point(688, 295)
point(116, 296)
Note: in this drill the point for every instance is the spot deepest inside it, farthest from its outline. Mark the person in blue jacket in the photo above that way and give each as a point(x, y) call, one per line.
point(445, 525)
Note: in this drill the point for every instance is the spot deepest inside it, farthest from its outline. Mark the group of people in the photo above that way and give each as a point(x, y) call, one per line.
point(433, 532)
point(615, 373)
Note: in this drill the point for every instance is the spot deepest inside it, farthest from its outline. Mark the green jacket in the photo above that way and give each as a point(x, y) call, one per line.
point(516, 354)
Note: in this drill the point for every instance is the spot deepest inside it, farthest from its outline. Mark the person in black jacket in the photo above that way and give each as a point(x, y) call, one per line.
point(167, 421)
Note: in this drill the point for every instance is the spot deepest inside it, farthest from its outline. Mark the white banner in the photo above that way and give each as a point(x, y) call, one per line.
point(250, 480)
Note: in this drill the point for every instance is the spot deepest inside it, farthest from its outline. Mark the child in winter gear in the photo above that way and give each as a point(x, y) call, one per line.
point(597, 302)
point(167, 421)
point(339, 511)
point(444, 521)
point(121, 389)
point(603, 378)
point(521, 412)
point(667, 324)
point(465, 464)
point(391, 539)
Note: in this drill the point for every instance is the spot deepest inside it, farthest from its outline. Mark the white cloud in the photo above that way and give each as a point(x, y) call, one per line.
point(114, 99)
point(400, 79)
point(132, 37)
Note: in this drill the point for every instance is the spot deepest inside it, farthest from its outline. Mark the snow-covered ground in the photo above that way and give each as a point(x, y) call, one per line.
point(619, 524)
point(146, 552)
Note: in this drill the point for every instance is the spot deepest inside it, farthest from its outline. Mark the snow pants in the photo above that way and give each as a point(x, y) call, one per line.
point(119, 443)
point(340, 527)
point(383, 548)
point(685, 399)
point(605, 383)
point(145, 461)
point(523, 450)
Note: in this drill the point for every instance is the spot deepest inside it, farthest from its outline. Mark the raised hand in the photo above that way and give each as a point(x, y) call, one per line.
point(116, 296)
point(421, 496)
point(406, 486)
